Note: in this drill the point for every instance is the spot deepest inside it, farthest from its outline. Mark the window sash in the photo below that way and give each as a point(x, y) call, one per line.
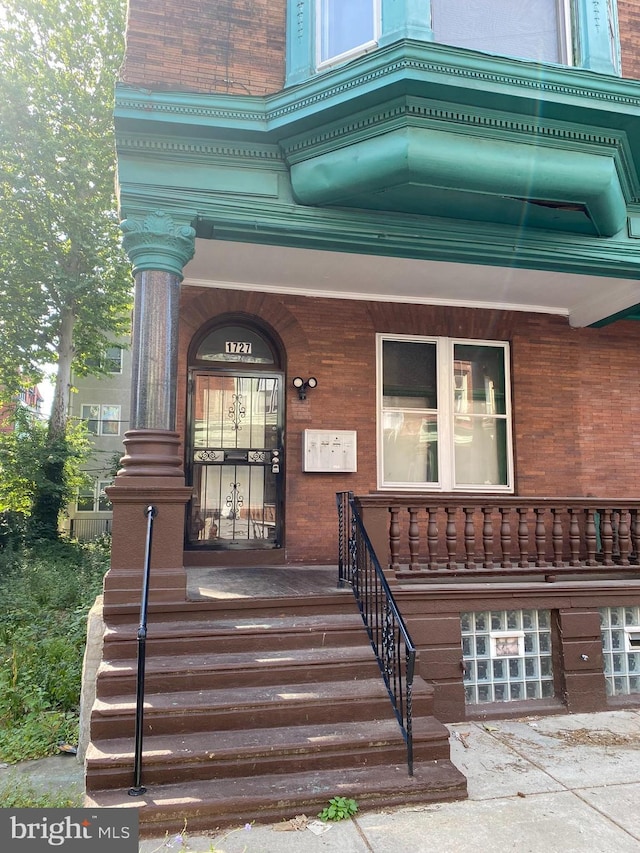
point(538, 30)
point(455, 438)
point(101, 419)
point(345, 28)
point(113, 359)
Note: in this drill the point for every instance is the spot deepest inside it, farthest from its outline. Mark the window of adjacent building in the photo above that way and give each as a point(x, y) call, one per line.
point(110, 361)
point(113, 359)
point(345, 27)
point(101, 419)
point(444, 414)
point(527, 29)
point(93, 498)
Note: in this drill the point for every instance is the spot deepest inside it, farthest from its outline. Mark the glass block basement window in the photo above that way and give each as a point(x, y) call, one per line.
point(621, 649)
point(507, 655)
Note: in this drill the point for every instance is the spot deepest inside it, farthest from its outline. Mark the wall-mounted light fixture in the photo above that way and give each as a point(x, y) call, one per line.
point(302, 384)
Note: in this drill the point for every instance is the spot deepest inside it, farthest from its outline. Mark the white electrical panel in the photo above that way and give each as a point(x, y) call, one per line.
point(329, 451)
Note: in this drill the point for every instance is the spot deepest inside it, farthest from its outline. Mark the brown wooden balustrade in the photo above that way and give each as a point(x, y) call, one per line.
point(479, 535)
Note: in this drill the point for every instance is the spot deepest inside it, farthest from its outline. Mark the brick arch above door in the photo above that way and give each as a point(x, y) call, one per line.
point(201, 304)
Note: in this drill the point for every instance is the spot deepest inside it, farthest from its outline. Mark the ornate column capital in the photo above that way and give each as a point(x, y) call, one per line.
point(158, 241)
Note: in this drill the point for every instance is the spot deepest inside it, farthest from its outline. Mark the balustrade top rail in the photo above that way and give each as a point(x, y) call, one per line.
point(507, 534)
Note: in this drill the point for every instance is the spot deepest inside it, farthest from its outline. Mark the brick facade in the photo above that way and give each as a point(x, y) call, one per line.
point(237, 47)
point(629, 25)
point(575, 428)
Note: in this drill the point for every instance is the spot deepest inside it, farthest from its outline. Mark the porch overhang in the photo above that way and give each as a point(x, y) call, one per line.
point(471, 159)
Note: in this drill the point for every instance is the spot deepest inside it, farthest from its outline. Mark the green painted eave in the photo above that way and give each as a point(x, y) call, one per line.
point(427, 70)
point(439, 172)
point(468, 157)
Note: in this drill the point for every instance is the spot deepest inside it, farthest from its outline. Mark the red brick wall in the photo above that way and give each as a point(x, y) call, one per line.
point(238, 46)
point(629, 24)
point(576, 410)
point(230, 46)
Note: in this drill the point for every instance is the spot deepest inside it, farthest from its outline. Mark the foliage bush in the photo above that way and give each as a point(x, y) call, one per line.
point(47, 590)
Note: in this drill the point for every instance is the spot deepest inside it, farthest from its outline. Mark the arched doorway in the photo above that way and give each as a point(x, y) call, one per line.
point(235, 438)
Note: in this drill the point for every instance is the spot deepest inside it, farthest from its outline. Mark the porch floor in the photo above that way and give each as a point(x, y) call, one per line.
point(261, 582)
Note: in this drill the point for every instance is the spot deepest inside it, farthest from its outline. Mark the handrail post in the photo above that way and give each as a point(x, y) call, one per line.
point(138, 788)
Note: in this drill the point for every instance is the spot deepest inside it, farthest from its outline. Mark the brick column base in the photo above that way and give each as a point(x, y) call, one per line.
point(151, 475)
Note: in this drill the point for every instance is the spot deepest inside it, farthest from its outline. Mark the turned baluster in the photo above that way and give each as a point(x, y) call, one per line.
point(590, 537)
point(469, 539)
point(635, 535)
point(487, 537)
point(574, 537)
point(394, 538)
point(432, 538)
point(451, 538)
point(541, 537)
point(505, 538)
point(523, 537)
point(414, 539)
point(624, 544)
point(606, 535)
point(556, 537)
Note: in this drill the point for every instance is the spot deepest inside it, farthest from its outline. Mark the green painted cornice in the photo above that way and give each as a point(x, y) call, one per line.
point(406, 67)
point(224, 162)
point(159, 241)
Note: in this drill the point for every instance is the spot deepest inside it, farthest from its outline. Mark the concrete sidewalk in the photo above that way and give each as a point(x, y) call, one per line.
point(566, 784)
point(569, 784)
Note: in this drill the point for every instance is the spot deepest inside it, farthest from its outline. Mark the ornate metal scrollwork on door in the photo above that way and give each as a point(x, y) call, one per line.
point(208, 456)
point(237, 412)
point(234, 501)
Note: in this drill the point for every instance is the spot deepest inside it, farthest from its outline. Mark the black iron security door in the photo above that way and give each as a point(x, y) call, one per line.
point(236, 459)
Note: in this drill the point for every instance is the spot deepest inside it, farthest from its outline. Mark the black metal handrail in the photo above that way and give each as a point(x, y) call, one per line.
point(390, 639)
point(138, 788)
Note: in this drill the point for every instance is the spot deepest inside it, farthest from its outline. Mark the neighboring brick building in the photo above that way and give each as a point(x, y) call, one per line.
point(432, 209)
point(29, 399)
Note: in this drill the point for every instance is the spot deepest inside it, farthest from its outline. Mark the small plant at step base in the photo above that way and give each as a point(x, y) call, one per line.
point(339, 808)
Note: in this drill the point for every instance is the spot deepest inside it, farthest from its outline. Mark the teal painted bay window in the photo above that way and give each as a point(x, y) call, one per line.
point(325, 33)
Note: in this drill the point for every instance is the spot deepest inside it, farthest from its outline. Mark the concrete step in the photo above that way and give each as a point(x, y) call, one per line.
point(247, 707)
point(164, 674)
point(204, 804)
point(232, 754)
point(128, 609)
point(217, 633)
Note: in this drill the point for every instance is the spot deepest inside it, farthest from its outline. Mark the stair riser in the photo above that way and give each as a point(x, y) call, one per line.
point(126, 612)
point(117, 684)
point(156, 821)
point(121, 648)
point(183, 721)
point(352, 756)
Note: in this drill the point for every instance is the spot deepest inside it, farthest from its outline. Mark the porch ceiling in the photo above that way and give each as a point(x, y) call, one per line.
point(585, 300)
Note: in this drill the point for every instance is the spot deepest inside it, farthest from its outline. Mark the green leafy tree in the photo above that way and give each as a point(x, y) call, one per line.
point(65, 284)
point(24, 476)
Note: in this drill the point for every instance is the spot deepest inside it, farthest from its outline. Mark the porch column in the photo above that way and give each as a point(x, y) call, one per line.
point(158, 244)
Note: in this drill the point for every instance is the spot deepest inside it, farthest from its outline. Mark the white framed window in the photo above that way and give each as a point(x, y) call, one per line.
point(113, 359)
point(93, 497)
point(527, 29)
point(110, 361)
point(444, 414)
point(101, 419)
point(345, 28)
